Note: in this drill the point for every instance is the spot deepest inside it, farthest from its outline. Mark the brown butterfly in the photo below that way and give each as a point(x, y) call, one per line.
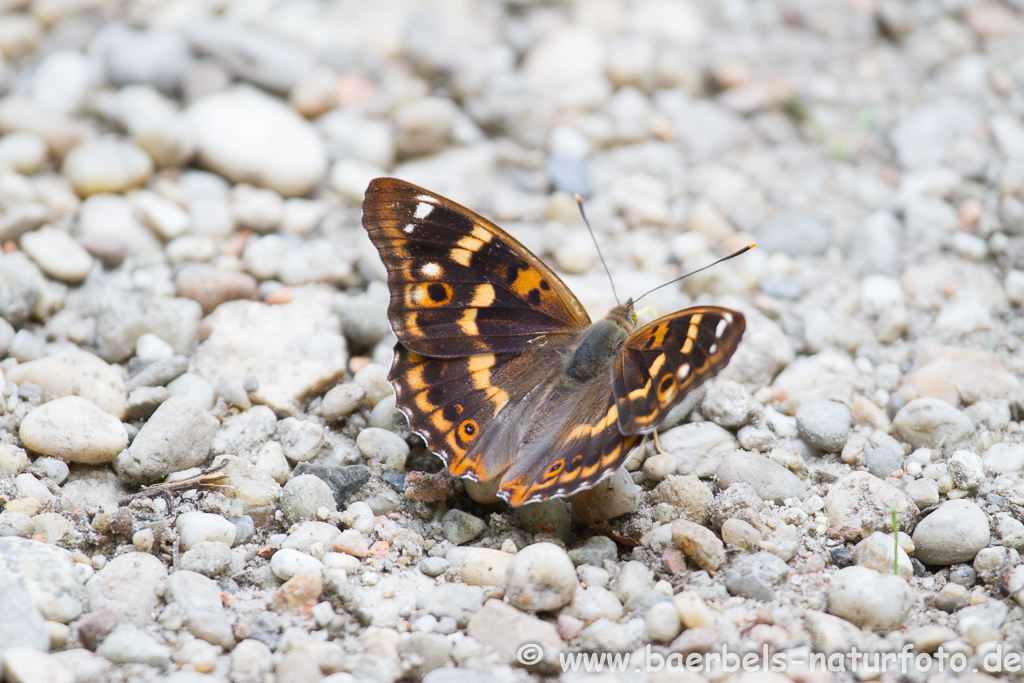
point(498, 366)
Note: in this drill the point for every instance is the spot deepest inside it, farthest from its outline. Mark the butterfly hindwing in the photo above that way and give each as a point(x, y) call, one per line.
point(667, 358)
point(459, 284)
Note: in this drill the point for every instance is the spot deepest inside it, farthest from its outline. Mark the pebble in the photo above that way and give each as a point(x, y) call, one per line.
point(20, 287)
point(131, 586)
point(245, 432)
point(297, 592)
point(878, 552)
point(594, 551)
point(304, 496)
point(23, 152)
point(300, 440)
point(741, 534)
point(352, 543)
point(434, 566)
point(504, 629)
point(177, 436)
point(699, 544)
point(863, 501)
point(924, 493)
point(57, 254)
point(106, 165)
point(248, 339)
point(931, 423)
point(953, 533)
point(824, 424)
point(596, 602)
point(342, 401)
point(364, 317)
point(880, 602)
point(613, 497)
point(256, 209)
point(662, 622)
point(461, 527)
point(756, 576)
point(729, 404)
point(212, 286)
point(387, 448)
point(208, 558)
point(288, 562)
point(882, 462)
point(127, 643)
point(690, 498)
point(485, 567)
point(771, 480)
point(966, 469)
point(249, 137)
point(159, 373)
point(203, 527)
point(75, 430)
point(21, 622)
point(48, 575)
point(199, 599)
point(1003, 458)
point(541, 578)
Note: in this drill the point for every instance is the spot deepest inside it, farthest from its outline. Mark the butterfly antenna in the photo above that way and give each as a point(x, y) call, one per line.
point(726, 258)
point(579, 203)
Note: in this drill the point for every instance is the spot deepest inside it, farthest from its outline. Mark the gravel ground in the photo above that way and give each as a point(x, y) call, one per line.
point(187, 296)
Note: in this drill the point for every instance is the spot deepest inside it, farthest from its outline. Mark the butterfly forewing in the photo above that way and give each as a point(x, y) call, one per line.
point(459, 284)
point(666, 359)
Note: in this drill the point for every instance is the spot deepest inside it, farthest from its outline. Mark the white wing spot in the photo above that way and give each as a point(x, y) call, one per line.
point(713, 348)
point(683, 371)
point(425, 198)
point(409, 228)
point(722, 324)
point(423, 210)
point(431, 270)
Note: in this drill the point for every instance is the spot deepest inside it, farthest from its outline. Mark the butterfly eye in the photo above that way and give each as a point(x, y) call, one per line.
point(632, 316)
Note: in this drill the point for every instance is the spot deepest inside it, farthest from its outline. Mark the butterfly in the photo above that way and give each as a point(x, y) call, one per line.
point(500, 369)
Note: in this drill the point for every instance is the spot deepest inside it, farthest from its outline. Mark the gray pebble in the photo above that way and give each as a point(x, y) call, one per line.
point(47, 573)
point(753, 438)
point(304, 495)
point(208, 558)
point(461, 527)
point(963, 575)
point(594, 552)
point(20, 287)
point(932, 423)
point(49, 468)
point(771, 480)
point(882, 462)
point(729, 404)
point(824, 424)
point(342, 401)
point(953, 533)
point(343, 481)
point(364, 319)
point(458, 601)
point(245, 529)
point(176, 437)
point(196, 527)
point(434, 566)
point(245, 432)
point(966, 469)
point(755, 576)
point(144, 401)
point(26, 346)
point(130, 644)
point(131, 586)
point(158, 58)
point(386, 416)
point(380, 445)
point(200, 599)
point(300, 440)
point(158, 373)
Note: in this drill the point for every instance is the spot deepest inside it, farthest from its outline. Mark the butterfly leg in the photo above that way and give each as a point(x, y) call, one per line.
point(657, 446)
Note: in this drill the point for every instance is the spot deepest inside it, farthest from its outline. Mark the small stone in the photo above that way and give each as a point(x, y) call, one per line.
point(289, 562)
point(485, 567)
point(690, 498)
point(595, 551)
point(207, 558)
point(78, 373)
point(461, 527)
point(863, 501)
point(75, 430)
point(57, 254)
point(130, 585)
point(198, 527)
point(771, 480)
point(824, 424)
point(953, 533)
point(966, 469)
point(541, 578)
point(352, 543)
point(505, 629)
point(595, 602)
point(426, 488)
point(878, 552)
point(158, 373)
point(130, 644)
point(212, 286)
point(300, 440)
point(699, 544)
point(755, 576)
point(923, 492)
point(952, 597)
point(882, 462)
point(300, 590)
point(199, 598)
point(304, 495)
point(96, 626)
point(662, 622)
point(729, 404)
point(178, 436)
point(693, 611)
point(434, 566)
point(342, 401)
point(144, 401)
point(931, 423)
point(879, 602)
point(106, 166)
point(274, 148)
point(741, 534)
point(380, 445)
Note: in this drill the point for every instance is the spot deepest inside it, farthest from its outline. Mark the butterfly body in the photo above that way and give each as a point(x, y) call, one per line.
point(498, 366)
